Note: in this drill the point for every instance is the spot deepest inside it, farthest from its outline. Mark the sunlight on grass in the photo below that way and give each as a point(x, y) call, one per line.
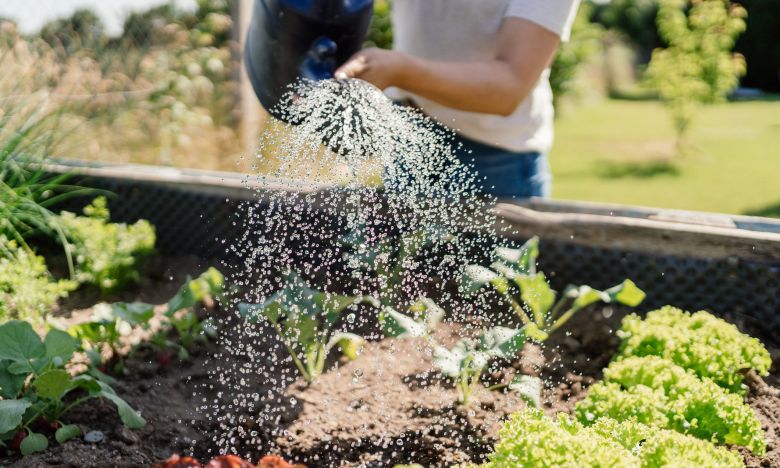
point(623, 152)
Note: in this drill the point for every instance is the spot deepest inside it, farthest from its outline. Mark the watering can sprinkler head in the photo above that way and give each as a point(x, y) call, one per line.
point(290, 40)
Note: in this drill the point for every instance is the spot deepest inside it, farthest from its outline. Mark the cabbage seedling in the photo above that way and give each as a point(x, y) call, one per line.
point(466, 361)
point(425, 315)
point(304, 319)
point(515, 269)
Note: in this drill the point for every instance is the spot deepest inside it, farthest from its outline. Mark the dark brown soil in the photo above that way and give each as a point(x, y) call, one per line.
point(386, 407)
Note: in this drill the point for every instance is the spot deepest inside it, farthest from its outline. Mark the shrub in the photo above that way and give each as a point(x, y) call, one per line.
point(106, 254)
point(27, 290)
point(700, 342)
point(659, 393)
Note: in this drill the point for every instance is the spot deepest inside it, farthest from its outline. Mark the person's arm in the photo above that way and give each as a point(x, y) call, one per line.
point(494, 86)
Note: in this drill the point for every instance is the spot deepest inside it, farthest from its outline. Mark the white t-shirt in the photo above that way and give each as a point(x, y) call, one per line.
point(468, 30)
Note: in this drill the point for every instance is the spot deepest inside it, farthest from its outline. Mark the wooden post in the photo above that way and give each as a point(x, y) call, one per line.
point(253, 116)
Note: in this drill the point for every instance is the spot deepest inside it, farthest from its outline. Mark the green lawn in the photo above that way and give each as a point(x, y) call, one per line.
point(623, 152)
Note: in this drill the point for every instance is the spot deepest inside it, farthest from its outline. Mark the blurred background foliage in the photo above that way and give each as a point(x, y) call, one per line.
point(165, 90)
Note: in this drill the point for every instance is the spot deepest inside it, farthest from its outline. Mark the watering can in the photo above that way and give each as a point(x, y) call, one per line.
point(290, 40)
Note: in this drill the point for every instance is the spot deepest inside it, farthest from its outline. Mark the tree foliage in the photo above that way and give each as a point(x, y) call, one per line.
point(697, 67)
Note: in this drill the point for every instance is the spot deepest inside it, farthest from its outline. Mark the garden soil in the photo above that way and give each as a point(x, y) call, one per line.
point(384, 408)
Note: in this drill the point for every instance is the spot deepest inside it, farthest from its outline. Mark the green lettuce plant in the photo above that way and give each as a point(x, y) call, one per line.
point(700, 342)
point(36, 387)
point(530, 438)
point(27, 289)
point(305, 320)
point(106, 254)
point(659, 393)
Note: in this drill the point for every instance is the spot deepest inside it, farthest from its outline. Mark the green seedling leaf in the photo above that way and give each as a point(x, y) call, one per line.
point(522, 259)
point(348, 343)
point(130, 417)
point(60, 346)
point(272, 311)
point(505, 270)
point(53, 384)
point(537, 294)
point(585, 295)
point(34, 442)
point(529, 388)
point(626, 293)
point(449, 360)
point(183, 299)
point(502, 342)
point(475, 277)
point(10, 384)
point(67, 432)
point(20, 343)
point(397, 325)
point(535, 333)
point(11, 413)
point(134, 313)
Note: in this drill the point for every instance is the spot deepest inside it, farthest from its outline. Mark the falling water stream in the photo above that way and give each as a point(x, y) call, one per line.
point(350, 129)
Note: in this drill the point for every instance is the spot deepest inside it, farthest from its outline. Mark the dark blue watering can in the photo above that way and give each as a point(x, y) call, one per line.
point(292, 39)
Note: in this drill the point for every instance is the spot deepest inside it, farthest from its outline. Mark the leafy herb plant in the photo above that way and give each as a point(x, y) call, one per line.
point(27, 290)
point(36, 388)
point(305, 321)
point(514, 276)
point(106, 254)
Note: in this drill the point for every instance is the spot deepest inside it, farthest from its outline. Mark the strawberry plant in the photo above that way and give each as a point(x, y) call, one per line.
point(106, 254)
point(467, 360)
point(305, 320)
point(659, 393)
point(515, 269)
point(706, 345)
point(36, 389)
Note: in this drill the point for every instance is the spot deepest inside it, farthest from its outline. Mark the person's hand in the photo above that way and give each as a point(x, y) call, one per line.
point(382, 68)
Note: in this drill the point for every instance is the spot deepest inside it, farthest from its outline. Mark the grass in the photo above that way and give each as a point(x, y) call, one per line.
point(621, 151)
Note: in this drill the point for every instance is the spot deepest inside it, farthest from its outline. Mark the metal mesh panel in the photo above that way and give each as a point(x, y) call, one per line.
point(190, 222)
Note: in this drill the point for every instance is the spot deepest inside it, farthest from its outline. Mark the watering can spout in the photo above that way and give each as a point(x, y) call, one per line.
point(289, 40)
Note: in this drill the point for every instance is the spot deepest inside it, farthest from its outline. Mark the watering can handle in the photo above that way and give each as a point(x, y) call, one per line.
point(320, 62)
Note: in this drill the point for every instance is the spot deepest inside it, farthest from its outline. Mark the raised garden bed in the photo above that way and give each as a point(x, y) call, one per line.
point(389, 405)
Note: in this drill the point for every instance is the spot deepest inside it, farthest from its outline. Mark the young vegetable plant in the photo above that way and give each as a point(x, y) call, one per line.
point(388, 259)
point(106, 254)
point(468, 359)
point(305, 320)
point(515, 269)
point(36, 388)
point(190, 329)
point(103, 333)
point(423, 318)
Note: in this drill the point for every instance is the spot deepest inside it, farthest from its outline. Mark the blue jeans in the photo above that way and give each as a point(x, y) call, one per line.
point(503, 173)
